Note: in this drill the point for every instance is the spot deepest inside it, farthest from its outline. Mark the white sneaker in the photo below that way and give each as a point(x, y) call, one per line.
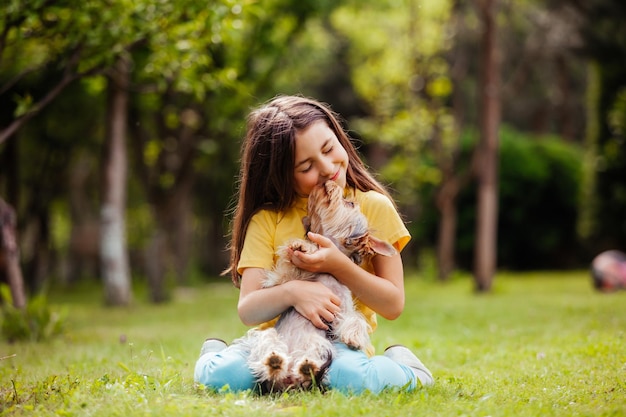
point(404, 356)
point(212, 345)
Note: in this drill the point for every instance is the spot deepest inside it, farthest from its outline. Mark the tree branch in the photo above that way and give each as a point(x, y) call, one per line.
point(20, 121)
point(68, 77)
point(15, 80)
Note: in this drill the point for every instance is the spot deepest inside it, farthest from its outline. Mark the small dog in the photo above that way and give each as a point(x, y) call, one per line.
point(295, 353)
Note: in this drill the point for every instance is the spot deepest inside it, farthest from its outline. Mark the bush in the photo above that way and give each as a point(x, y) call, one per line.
point(539, 183)
point(539, 187)
point(34, 323)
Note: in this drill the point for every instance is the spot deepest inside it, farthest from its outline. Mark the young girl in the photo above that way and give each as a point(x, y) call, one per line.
point(292, 145)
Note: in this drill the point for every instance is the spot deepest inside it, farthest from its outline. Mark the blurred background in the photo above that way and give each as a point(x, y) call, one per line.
point(498, 125)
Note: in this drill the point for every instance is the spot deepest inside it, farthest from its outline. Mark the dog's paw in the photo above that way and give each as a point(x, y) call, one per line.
point(353, 343)
point(308, 369)
point(276, 365)
point(307, 373)
point(299, 247)
point(354, 333)
point(311, 367)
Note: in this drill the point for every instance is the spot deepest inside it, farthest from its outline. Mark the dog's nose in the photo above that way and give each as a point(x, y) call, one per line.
point(329, 186)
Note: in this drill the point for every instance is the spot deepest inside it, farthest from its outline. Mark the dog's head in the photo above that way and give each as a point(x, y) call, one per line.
point(341, 220)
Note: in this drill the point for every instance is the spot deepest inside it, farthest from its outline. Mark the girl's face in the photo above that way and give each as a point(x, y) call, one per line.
point(319, 157)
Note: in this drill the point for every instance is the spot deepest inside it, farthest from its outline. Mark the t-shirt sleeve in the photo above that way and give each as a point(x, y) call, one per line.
point(384, 220)
point(258, 247)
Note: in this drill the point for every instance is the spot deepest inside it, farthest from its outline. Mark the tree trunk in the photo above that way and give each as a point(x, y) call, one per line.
point(10, 254)
point(155, 255)
point(39, 271)
point(10, 171)
point(170, 243)
point(83, 257)
point(446, 203)
point(181, 228)
point(113, 251)
point(452, 179)
point(487, 174)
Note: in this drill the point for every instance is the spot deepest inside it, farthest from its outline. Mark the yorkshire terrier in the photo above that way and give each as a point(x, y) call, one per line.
point(295, 354)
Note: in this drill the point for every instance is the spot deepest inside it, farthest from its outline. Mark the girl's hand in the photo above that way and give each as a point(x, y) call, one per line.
point(382, 291)
point(315, 301)
point(326, 259)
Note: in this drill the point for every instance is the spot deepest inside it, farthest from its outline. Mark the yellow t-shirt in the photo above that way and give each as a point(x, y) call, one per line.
point(268, 230)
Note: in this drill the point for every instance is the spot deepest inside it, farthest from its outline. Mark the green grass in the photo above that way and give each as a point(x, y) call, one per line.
point(541, 344)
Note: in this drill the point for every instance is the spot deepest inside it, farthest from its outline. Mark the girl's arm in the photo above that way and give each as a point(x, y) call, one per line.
point(257, 305)
point(382, 291)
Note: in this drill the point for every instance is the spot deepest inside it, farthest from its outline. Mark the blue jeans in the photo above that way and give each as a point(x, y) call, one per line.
point(351, 372)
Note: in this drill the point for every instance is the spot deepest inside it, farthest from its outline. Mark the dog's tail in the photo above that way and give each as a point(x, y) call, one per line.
point(320, 376)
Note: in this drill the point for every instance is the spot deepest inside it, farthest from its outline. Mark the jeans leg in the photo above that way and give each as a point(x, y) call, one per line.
point(228, 367)
point(353, 372)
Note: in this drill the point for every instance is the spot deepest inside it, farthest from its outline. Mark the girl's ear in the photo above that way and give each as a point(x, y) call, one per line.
point(381, 247)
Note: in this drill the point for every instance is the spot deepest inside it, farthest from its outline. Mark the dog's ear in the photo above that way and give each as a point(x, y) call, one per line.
point(381, 247)
point(306, 222)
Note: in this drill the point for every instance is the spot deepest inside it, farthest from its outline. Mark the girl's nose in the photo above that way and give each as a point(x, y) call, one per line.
point(327, 168)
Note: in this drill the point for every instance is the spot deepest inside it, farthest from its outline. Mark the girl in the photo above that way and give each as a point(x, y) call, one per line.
point(292, 145)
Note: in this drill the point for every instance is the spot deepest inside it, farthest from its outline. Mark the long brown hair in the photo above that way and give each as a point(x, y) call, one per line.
point(266, 178)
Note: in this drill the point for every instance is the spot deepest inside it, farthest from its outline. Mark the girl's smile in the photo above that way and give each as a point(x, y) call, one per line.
point(319, 157)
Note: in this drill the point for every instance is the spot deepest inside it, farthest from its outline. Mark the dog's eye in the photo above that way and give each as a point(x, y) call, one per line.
point(350, 204)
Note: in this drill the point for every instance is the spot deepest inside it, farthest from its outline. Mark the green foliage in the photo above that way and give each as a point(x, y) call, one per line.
point(199, 66)
point(406, 90)
point(23, 104)
point(617, 117)
point(540, 344)
point(403, 86)
point(604, 43)
point(37, 322)
point(539, 193)
point(539, 187)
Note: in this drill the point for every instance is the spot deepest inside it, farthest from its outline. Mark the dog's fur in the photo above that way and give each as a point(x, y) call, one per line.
point(295, 353)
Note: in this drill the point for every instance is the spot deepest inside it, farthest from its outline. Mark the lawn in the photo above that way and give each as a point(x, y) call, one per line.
point(540, 344)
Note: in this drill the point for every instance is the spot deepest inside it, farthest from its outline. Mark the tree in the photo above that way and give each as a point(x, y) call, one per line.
point(70, 39)
point(407, 124)
point(64, 41)
point(186, 126)
point(114, 257)
point(194, 72)
point(9, 255)
point(447, 153)
point(487, 150)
